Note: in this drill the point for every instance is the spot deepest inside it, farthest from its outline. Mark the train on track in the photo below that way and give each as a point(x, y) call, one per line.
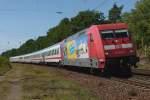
point(97, 47)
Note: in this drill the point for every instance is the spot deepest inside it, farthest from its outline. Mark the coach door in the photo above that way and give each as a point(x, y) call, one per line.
point(92, 46)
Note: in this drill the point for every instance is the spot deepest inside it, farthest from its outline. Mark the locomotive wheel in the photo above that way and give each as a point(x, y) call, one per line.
point(125, 68)
point(107, 70)
point(113, 68)
point(126, 71)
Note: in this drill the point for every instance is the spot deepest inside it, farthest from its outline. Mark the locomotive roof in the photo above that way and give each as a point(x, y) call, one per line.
point(101, 27)
point(112, 26)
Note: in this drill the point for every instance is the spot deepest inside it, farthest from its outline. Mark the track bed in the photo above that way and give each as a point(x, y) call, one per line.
point(94, 87)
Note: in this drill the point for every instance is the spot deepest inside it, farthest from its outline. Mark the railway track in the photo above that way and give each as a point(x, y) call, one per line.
point(140, 78)
point(134, 82)
point(141, 72)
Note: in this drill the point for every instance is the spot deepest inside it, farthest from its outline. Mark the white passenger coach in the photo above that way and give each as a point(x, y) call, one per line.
point(51, 54)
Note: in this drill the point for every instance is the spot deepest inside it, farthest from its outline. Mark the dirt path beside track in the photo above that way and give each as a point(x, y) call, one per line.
point(35, 82)
point(14, 78)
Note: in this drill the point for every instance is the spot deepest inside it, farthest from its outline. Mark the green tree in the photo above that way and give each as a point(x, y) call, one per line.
point(139, 23)
point(115, 13)
point(85, 19)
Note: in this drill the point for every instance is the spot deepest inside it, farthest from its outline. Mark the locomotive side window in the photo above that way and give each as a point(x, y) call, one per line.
point(107, 34)
point(91, 37)
point(121, 33)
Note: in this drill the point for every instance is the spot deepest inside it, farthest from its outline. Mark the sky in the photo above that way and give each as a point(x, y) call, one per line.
point(21, 20)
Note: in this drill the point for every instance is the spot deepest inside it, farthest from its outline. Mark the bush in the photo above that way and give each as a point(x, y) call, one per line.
point(148, 53)
point(4, 65)
point(144, 53)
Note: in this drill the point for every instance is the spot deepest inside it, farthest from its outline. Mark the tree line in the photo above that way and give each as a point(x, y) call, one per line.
point(138, 20)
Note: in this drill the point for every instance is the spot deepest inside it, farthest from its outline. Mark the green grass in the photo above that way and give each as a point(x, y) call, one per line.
point(43, 84)
point(4, 84)
point(4, 65)
point(4, 89)
point(144, 66)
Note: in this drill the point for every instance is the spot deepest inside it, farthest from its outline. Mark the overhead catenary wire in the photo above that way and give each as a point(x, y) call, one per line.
point(101, 4)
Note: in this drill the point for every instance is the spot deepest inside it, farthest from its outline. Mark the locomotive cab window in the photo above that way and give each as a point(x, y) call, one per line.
point(121, 33)
point(107, 34)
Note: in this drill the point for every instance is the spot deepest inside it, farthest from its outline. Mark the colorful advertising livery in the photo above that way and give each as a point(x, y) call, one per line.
point(76, 48)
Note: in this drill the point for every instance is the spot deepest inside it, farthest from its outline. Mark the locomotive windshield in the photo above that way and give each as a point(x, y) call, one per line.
point(107, 34)
point(114, 34)
point(121, 33)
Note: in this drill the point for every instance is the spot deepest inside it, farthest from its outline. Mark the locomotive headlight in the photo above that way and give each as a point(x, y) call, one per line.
point(131, 51)
point(106, 53)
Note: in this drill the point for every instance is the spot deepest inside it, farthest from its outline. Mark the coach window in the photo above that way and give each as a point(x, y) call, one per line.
point(47, 53)
point(50, 52)
point(55, 51)
point(58, 51)
point(44, 54)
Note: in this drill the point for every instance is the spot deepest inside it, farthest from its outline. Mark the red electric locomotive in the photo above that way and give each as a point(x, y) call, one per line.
point(107, 46)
